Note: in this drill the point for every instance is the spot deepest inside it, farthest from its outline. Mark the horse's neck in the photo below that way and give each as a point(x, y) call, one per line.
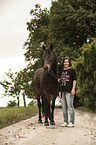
point(54, 69)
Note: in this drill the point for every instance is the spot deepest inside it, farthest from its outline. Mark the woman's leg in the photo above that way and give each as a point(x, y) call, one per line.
point(64, 107)
point(70, 100)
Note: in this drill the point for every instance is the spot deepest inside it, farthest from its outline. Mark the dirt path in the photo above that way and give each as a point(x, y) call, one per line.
point(29, 132)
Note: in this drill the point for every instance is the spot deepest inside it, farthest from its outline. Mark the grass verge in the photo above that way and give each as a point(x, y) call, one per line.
point(11, 115)
point(86, 109)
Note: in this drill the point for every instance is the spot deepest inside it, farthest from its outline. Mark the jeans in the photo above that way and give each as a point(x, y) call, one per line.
point(67, 104)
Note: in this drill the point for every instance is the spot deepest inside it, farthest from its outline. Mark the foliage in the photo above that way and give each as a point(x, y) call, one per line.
point(19, 83)
point(38, 32)
point(12, 103)
point(86, 75)
point(72, 22)
point(8, 83)
point(33, 102)
point(11, 115)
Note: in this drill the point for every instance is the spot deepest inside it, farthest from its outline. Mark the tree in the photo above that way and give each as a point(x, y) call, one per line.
point(86, 75)
point(10, 86)
point(72, 22)
point(38, 33)
point(16, 84)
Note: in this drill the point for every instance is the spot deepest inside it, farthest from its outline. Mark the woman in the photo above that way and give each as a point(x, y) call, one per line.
point(68, 83)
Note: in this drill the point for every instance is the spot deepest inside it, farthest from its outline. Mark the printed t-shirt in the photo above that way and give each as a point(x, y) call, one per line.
point(67, 78)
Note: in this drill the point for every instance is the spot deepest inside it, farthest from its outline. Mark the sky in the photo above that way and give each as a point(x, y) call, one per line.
point(14, 14)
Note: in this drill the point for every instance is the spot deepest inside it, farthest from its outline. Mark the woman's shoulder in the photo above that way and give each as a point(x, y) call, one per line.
point(72, 69)
point(66, 69)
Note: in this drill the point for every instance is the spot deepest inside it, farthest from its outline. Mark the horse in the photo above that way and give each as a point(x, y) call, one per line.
point(46, 85)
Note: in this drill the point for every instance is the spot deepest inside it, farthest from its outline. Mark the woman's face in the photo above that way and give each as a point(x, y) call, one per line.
point(66, 63)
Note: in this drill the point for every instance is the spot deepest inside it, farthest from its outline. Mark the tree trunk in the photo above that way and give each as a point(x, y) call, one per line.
point(24, 100)
point(18, 101)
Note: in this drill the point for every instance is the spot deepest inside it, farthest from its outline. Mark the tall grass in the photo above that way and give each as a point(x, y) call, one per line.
point(10, 115)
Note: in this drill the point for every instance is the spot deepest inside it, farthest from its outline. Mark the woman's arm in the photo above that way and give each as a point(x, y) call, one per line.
point(73, 89)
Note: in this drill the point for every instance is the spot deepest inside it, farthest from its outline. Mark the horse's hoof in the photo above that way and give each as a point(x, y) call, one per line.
point(52, 123)
point(46, 123)
point(39, 121)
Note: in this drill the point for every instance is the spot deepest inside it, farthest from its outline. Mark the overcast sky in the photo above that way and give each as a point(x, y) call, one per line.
point(14, 14)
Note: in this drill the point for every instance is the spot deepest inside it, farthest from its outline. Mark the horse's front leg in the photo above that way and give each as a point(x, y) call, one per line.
point(46, 110)
point(52, 122)
point(46, 123)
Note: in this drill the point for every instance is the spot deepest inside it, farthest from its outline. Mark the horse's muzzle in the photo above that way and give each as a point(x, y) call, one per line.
point(46, 67)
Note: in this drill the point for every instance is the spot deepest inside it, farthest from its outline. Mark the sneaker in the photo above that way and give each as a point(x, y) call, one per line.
point(70, 125)
point(64, 124)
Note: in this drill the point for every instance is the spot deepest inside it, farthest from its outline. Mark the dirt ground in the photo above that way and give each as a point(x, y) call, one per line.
point(29, 132)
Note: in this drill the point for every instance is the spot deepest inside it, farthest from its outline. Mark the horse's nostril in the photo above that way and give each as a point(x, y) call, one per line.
point(46, 68)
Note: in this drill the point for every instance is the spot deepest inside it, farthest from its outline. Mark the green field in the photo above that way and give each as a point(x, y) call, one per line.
point(10, 115)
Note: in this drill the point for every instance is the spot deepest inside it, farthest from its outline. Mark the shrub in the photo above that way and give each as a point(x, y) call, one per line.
point(85, 67)
point(12, 103)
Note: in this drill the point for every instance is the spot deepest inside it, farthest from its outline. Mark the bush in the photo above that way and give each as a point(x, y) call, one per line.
point(33, 102)
point(12, 103)
point(86, 75)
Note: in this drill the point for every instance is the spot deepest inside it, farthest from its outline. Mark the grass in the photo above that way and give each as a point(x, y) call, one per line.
point(11, 115)
point(86, 109)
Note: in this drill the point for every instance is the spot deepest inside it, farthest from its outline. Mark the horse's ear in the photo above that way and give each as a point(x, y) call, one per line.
point(43, 47)
point(51, 46)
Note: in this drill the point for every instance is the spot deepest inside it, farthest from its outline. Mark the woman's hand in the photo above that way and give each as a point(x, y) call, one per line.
point(73, 89)
point(59, 80)
point(73, 92)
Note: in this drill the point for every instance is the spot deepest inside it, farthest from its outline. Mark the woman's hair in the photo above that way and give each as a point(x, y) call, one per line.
point(63, 59)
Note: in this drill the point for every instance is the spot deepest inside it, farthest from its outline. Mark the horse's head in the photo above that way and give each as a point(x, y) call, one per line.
point(50, 58)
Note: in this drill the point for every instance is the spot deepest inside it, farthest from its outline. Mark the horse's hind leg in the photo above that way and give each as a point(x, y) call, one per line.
point(42, 106)
point(39, 106)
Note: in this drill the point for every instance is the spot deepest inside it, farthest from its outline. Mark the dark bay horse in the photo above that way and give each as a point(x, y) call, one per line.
point(46, 84)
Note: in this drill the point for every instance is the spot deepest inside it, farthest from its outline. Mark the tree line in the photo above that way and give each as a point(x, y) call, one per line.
point(70, 26)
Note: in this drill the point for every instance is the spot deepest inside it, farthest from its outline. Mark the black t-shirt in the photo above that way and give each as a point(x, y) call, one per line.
point(67, 77)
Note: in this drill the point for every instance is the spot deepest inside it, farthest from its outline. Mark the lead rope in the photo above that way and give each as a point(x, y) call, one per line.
point(52, 73)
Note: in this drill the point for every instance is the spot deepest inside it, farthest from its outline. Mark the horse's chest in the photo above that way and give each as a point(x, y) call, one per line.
point(48, 81)
point(49, 85)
